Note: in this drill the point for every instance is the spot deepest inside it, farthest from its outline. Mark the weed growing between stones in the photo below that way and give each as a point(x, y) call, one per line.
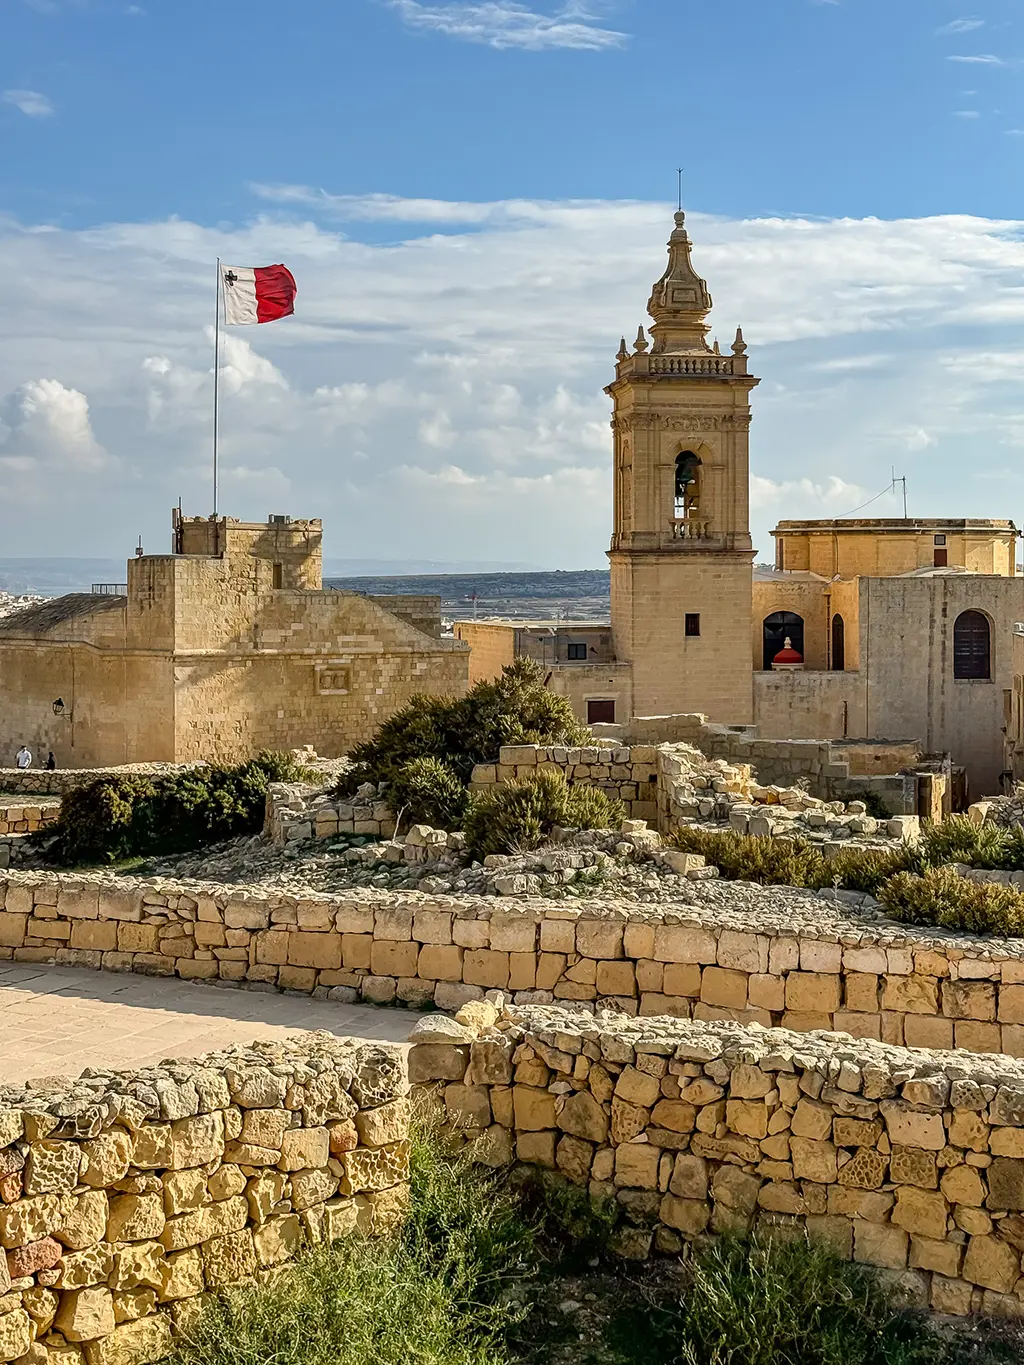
point(519, 816)
point(514, 1268)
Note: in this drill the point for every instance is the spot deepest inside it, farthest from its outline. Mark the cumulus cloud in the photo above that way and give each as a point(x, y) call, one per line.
point(46, 431)
point(30, 102)
point(439, 394)
point(506, 24)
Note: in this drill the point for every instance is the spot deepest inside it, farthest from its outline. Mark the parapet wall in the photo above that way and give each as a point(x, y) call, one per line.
point(24, 819)
point(909, 1161)
point(126, 1197)
point(820, 969)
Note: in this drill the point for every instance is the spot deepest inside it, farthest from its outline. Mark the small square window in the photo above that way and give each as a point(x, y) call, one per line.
point(576, 651)
point(940, 540)
point(600, 712)
point(692, 625)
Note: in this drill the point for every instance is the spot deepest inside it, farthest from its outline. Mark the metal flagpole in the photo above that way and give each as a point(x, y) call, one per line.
point(216, 388)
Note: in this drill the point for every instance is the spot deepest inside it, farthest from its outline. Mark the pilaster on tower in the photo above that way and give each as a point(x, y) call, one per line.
point(681, 550)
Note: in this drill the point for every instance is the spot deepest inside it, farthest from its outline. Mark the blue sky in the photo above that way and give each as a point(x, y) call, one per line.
point(474, 199)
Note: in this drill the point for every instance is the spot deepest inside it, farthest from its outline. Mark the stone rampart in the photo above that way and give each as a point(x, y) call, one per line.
point(126, 1197)
point(909, 1161)
point(825, 968)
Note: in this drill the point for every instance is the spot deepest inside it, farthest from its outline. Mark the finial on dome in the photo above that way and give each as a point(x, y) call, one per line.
point(641, 342)
point(717, 348)
point(680, 301)
point(739, 346)
point(623, 351)
point(680, 218)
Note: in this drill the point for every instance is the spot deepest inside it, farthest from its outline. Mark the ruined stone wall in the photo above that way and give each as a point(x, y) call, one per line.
point(41, 782)
point(826, 970)
point(909, 1161)
point(126, 1197)
point(630, 775)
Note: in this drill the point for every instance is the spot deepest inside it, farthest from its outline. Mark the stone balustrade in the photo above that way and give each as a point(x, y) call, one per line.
point(904, 1160)
point(126, 1198)
point(822, 967)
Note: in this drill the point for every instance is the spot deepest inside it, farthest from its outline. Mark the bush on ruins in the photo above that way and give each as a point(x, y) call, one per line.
point(458, 733)
point(115, 818)
point(515, 817)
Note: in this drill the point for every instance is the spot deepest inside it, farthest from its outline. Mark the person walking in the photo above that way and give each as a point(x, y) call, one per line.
point(51, 762)
point(24, 758)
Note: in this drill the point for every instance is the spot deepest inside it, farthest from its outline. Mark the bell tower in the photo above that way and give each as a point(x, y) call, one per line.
point(681, 555)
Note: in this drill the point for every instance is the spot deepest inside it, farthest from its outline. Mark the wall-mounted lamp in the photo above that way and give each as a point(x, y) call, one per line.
point(58, 707)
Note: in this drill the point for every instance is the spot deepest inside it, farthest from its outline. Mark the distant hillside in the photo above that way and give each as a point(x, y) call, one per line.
point(54, 577)
point(583, 593)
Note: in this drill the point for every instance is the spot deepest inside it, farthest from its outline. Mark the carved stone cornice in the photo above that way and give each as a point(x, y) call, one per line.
point(659, 421)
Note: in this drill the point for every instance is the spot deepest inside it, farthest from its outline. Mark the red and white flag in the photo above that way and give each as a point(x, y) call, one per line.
point(260, 293)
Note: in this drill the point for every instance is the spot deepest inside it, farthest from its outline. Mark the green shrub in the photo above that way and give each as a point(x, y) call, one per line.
point(115, 818)
point(428, 792)
point(518, 816)
point(515, 708)
point(942, 897)
point(958, 840)
point(795, 862)
point(786, 1301)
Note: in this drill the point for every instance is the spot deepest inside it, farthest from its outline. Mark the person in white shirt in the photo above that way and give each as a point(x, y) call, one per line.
point(24, 759)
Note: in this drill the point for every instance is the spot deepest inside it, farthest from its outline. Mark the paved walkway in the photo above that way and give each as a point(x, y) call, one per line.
point(54, 1021)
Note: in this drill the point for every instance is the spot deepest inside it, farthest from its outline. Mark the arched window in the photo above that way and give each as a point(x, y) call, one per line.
point(838, 643)
point(778, 628)
point(972, 646)
point(687, 485)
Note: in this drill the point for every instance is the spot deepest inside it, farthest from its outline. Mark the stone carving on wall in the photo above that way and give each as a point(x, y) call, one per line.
point(656, 421)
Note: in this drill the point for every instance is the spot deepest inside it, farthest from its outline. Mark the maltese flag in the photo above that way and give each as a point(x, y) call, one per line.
point(260, 293)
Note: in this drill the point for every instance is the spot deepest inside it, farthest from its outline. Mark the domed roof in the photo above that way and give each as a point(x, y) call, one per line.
point(787, 654)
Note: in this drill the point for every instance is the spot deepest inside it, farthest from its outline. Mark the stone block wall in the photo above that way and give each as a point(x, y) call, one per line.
point(629, 774)
point(292, 812)
point(908, 1161)
point(823, 969)
point(24, 819)
point(124, 1198)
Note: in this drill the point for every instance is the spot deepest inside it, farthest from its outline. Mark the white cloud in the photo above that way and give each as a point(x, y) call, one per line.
point(30, 102)
point(981, 59)
point(966, 25)
point(506, 24)
point(47, 431)
point(966, 113)
point(439, 395)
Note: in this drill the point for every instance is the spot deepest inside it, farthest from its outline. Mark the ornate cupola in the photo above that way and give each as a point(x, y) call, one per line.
point(680, 301)
point(681, 550)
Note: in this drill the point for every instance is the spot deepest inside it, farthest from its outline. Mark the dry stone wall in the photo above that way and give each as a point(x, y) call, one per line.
point(41, 781)
point(909, 1161)
point(819, 968)
point(24, 819)
point(125, 1198)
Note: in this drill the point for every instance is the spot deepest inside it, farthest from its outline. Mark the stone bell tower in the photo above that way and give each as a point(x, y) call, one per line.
point(681, 553)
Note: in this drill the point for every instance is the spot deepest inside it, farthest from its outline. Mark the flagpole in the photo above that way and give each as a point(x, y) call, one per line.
point(216, 387)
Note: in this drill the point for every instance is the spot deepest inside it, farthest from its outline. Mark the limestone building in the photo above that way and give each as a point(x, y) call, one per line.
point(226, 646)
point(898, 629)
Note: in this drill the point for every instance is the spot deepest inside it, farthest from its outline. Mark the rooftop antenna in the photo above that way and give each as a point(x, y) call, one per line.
point(679, 195)
point(903, 480)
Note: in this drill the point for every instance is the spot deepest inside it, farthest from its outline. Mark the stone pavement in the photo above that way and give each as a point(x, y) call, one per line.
point(54, 1021)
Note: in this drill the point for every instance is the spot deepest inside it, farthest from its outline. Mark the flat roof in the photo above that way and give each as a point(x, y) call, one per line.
point(897, 524)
